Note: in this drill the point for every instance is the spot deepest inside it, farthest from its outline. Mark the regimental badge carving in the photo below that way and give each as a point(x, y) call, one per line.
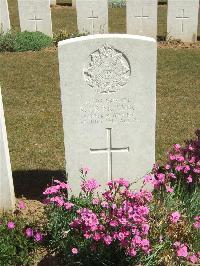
point(108, 70)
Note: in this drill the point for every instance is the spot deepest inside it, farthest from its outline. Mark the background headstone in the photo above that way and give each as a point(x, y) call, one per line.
point(53, 2)
point(108, 94)
point(7, 196)
point(4, 16)
point(182, 20)
point(35, 15)
point(74, 3)
point(141, 17)
point(92, 16)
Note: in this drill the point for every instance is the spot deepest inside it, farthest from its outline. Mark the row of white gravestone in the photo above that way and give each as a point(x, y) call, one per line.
point(4, 16)
point(141, 18)
point(108, 95)
point(92, 17)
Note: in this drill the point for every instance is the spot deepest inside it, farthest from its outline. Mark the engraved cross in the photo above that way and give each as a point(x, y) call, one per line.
point(109, 150)
point(36, 20)
point(142, 16)
point(183, 17)
point(92, 18)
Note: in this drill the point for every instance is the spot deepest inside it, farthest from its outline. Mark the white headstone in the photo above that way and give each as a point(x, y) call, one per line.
point(108, 94)
point(182, 20)
point(4, 16)
point(7, 196)
point(92, 16)
point(74, 3)
point(35, 15)
point(53, 2)
point(141, 17)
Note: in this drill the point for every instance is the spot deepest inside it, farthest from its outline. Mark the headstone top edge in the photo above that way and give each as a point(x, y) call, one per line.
point(106, 36)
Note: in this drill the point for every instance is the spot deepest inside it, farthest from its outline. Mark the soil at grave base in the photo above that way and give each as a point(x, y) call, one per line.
point(179, 45)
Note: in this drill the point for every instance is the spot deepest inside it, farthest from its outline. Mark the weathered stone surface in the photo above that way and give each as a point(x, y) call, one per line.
point(35, 15)
point(142, 17)
point(92, 16)
point(7, 196)
point(108, 93)
point(182, 20)
point(4, 16)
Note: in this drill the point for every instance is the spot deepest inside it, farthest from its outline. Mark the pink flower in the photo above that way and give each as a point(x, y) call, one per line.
point(59, 200)
point(108, 240)
point(196, 224)
point(52, 190)
point(132, 252)
point(177, 147)
point(74, 251)
point(161, 177)
point(62, 185)
point(38, 237)
point(193, 258)
point(179, 168)
point(145, 244)
point(123, 182)
point(29, 232)
point(11, 225)
point(97, 237)
point(68, 205)
point(95, 201)
point(182, 251)
point(189, 179)
point(121, 236)
point(104, 204)
point(174, 217)
point(86, 170)
point(169, 189)
point(113, 223)
point(22, 205)
point(89, 185)
point(167, 166)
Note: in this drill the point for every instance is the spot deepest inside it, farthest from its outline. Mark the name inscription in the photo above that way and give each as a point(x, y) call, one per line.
point(111, 110)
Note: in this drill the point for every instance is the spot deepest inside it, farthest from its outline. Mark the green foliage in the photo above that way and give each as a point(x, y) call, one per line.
point(63, 35)
point(7, 41)
point(15, 247)
point(24, 41)
point(31, 41)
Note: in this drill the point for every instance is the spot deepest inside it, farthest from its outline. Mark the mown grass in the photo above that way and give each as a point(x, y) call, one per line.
point(31, 94)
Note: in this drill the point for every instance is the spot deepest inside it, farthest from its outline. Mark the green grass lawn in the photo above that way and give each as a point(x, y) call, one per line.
point(31, 94)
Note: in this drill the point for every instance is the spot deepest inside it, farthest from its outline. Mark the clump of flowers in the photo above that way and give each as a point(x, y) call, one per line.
point(118, 226)
point(19, 238)
point(116, 220)
point(174, 215)
point(182, 171)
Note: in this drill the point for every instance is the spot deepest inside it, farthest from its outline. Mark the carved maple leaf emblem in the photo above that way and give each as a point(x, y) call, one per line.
point(108, 70)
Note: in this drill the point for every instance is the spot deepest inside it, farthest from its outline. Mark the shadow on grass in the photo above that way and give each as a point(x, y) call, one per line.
point(64, 4)
point(32, 183)
point(161, 38)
